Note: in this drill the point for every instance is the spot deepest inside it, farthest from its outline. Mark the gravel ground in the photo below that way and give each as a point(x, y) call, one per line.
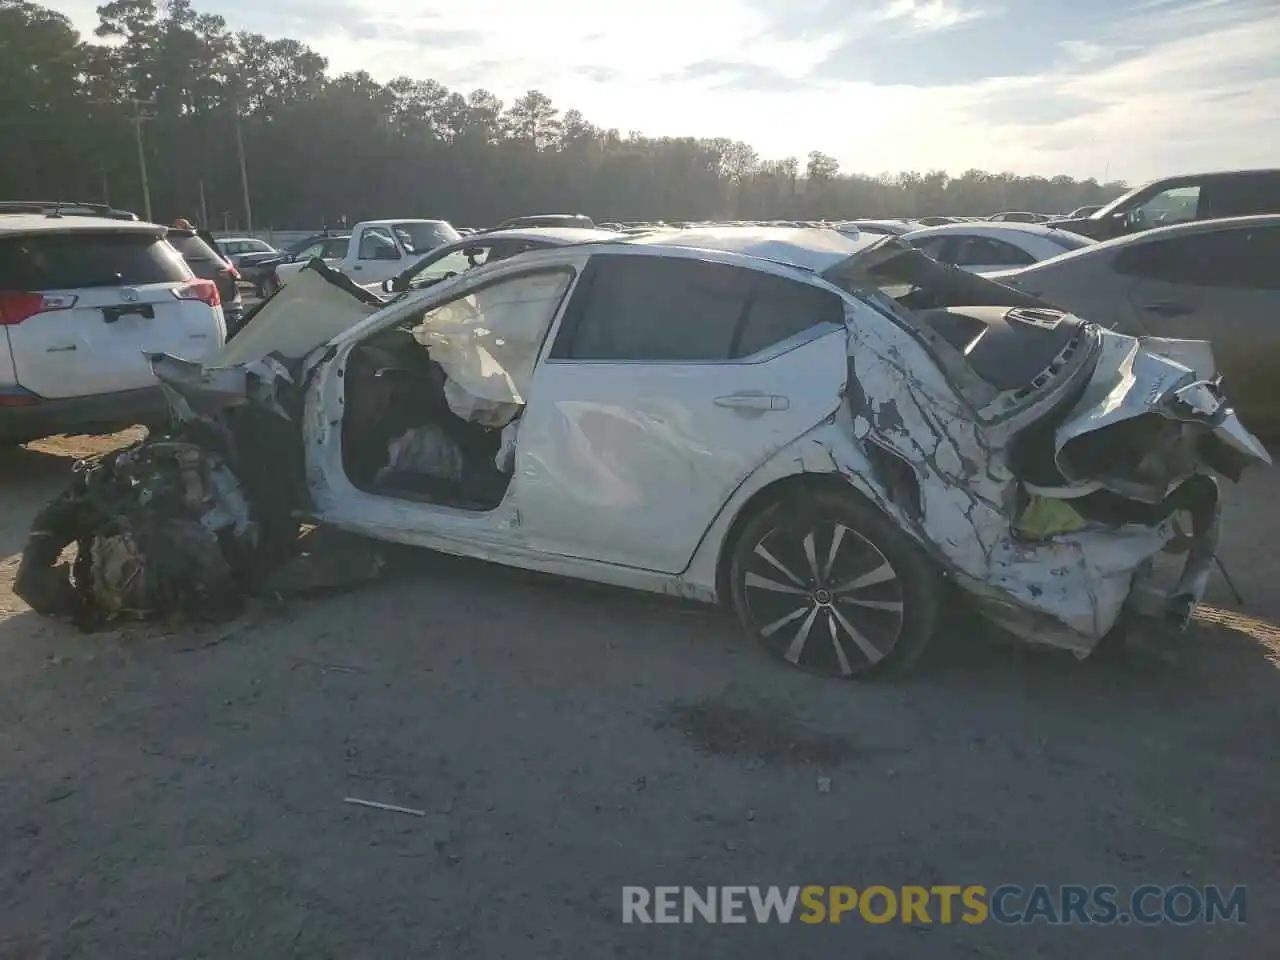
point(179, 792)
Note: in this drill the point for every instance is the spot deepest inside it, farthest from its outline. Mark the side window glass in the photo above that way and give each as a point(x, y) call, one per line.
point(658, 308)
point(1239, 258)
point(315, 250)
point(781, 308)
point(1176, 205)
point(1160, 260)
point(986, 252)
point(1259, 259)
point(931, 247)
point(334, 249)
point(377, 244)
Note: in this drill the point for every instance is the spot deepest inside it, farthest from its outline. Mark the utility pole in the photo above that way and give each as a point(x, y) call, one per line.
point(204, 209)
point(244, 169)
point(137, 120)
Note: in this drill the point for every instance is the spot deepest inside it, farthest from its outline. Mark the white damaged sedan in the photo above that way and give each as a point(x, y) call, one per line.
point(823, 431)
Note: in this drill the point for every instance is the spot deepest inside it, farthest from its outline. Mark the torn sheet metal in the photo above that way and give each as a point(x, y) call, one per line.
point(1070, 587)
point(1133, 430)
point(314, 306)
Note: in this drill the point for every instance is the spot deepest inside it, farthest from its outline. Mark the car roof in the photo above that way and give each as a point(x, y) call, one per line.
point(981, 226)
point(25, 223)
point(240, 239)
point(1189, 229)
point(810, 248)
point(387, 223)
point(556, 235)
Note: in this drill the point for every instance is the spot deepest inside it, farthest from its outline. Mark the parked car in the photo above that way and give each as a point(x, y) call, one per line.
point(988, 247)
point(1207, 280)
point(1162, 203)
point(893, 228)
point(1017, 216)
point(376, 250)
point(579, 220)
point(83, 301)
point(199, 250)
point(470, 252)
point(936, 221)
point(1087, 210)
point(254, 258)
point(329, 248)
point(817, 429)
point(66, 208)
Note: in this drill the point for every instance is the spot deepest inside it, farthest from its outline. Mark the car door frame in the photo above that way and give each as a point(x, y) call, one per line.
point(790, 346)
point(493, 534)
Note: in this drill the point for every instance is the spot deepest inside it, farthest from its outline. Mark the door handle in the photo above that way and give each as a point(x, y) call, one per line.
point(753, 401)
point(1168, 308)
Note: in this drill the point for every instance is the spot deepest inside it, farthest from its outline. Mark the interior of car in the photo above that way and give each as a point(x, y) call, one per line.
point(432, 406)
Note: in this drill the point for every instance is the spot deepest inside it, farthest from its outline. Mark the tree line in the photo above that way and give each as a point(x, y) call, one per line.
point(319, 148)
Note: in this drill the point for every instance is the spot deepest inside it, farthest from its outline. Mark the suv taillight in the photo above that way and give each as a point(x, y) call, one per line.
point(205, 290)
point(16, 307)
point(230, 271)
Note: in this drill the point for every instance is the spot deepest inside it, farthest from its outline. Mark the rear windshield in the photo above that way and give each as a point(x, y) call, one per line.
point(192, 247)
point(72, 260)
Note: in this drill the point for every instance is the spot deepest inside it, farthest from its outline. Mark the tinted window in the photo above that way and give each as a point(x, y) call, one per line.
point(931, 246)
point(1240, 196)
point(780, 308)
point(986, 252)
point(1225, 258)
point(654, 308)
point(334, 249)
point(192, 247)
point(70, 260)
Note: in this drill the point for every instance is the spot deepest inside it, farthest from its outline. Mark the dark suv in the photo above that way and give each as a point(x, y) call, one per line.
point(197, 248)
point(1161, 203)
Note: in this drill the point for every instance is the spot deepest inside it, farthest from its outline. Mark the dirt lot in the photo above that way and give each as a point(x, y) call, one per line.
point(170, 793)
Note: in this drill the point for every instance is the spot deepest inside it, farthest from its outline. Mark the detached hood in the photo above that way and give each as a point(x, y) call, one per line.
point(315, 305)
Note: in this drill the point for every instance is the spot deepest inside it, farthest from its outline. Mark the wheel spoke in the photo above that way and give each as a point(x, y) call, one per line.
point(777, 625)
point(882, 574)
point(845, 669)
point(775, 562)
point(811, 554)
point(836, 539)
point(895, 606)
point(802, 635)
point(764, 583)
point(871, 651)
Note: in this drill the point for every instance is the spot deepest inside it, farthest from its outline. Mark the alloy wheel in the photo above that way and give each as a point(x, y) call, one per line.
point(822, 596)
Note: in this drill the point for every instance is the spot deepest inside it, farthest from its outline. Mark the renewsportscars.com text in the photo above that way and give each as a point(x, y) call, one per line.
point(1008, 904)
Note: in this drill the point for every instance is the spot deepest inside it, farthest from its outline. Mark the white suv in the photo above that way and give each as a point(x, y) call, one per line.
point(82, 301)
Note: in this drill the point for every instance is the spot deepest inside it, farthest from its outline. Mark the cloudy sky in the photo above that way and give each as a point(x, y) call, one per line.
point(1119, 89)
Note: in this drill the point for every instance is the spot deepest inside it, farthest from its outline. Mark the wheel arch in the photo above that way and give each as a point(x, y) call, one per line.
point(770, 495)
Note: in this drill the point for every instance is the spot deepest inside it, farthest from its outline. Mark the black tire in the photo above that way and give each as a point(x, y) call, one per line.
point(867, 609)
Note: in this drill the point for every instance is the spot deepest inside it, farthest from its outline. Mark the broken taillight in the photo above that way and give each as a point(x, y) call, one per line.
point(16, 307)
point(203, 290)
